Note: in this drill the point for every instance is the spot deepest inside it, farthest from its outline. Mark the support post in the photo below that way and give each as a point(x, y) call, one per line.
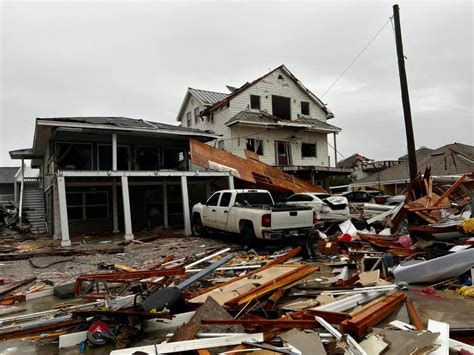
point(22, 184)
point(15, 190)
point(65, 241)
point(165, 204)
point(231, 182)
point(114, 206)
point(114, 151)
point(56, 212)
point(126, 209)
point(405, 97)
point(335, 149)
point(186, 212)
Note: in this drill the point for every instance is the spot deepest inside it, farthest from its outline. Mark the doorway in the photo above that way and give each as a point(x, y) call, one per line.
point(283, 153)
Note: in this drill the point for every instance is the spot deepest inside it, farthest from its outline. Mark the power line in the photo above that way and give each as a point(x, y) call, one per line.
point(357, 57)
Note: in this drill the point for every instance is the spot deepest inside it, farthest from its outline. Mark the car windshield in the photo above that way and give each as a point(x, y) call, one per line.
point(253, 199)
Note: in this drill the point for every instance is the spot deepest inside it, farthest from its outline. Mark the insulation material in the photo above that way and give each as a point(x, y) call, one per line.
point(250, 170)
point(434, 270)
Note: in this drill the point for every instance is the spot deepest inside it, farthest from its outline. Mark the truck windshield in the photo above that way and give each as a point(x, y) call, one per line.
point(253, 199)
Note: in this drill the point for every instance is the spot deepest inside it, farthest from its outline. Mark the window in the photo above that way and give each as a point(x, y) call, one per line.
point(147, 158)
point(308, 150)
point(225, 199)
point(173, 158)
point(213, 199)
point(196, 115)
point(220, 144)
point(73, 156)
point(87, 205)
point(281, 107)
point(305, 108)
point(253, 199)
point(255, 102)
point(300, 198)
point(188, 119)
point(104, 157)
point(255, 145)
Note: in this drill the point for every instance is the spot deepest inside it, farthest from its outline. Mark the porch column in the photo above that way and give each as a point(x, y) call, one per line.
point(126, 209)
point(65, 241)
point(165, 205)
point(114, 206)
point(186, 212)
point(114, 151)
point(231, 182)
point(56, 216)
point(335, 149)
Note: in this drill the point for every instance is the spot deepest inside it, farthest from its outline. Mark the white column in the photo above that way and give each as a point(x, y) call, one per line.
point(20, 211)
point(186, 212)
point(65, 241)
point(114, 152)
point(56, 215)
point(114, 206)
point(126, 209)
point(165, 204)
point(231, 182)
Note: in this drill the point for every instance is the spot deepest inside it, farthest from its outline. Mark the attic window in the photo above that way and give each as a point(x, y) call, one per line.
point(188, 119)
point(255, 102)
point(196, 115)
point(281, 107)
point(305, 108)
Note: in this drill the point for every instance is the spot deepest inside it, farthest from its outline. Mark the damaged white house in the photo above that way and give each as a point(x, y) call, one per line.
point(275, 116)
point(104, 174)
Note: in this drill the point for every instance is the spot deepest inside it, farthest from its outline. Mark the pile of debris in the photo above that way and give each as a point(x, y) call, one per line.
point(352, 288)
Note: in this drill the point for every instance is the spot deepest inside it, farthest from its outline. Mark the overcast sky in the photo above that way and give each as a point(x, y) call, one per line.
point(136, 59)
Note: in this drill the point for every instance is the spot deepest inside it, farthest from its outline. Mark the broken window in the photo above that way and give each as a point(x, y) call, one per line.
point(305, 108)
point(88, 205)
point(220, 144)
point(281, 107)
point(147, 158)
point(308, 150)
point(255, 102)
point(255, 145)
point(188, 119)
point(196, 115)
point(104, 157)
point(173, 158)
point(73, 156)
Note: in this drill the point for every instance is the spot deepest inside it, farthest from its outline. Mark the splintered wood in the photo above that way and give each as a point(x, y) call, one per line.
point(250, 170)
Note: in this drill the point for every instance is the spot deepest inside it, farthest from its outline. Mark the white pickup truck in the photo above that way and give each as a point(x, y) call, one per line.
point(253, 214)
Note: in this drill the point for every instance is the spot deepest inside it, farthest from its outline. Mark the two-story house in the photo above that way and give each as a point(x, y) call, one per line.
point(275, 116)
point(110, 174)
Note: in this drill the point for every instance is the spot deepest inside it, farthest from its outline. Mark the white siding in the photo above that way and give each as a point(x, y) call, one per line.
point(272, 86)
point(240, 135)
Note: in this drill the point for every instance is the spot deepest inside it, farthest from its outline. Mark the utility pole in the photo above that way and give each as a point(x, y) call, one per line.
point(405, 97)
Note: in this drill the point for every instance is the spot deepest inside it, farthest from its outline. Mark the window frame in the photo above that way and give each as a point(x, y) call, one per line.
point(222, 197)
point(218, 194)
point(288, 99)
point(73, 142)
point(301, 107)
point(196, 116)
point(188, 119)
point(259, 102)
point(84, 205)
point(303, 156)
point(255, 145)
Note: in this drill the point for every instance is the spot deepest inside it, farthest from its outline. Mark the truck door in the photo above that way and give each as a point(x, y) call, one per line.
point(209, 211)
point(222, 210)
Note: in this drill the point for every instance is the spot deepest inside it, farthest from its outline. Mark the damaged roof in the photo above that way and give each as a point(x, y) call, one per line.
point(119, 123)
point(451, 159)
point(264, 118)
point(247, 85)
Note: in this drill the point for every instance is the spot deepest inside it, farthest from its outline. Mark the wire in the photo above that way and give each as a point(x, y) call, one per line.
point(357, 57)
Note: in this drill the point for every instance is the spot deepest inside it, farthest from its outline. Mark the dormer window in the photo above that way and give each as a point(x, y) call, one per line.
point(255, 102)
point(196, 115)
point(305, 108)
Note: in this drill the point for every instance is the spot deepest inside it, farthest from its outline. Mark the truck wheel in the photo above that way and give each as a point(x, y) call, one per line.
point(196, 226)
point(248, 236)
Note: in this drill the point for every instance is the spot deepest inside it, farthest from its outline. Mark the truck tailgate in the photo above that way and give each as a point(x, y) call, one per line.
point(292, 219)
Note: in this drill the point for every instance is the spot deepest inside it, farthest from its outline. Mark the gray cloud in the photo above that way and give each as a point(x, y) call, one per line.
point(136, 59)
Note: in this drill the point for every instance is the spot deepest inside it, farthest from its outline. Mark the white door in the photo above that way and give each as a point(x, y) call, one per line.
point(209, 211)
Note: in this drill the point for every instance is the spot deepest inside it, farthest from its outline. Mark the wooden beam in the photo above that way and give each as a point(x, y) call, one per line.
point(450, 190)
point(414, 316)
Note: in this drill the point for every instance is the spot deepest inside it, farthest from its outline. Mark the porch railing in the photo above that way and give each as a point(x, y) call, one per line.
point(33, 183)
